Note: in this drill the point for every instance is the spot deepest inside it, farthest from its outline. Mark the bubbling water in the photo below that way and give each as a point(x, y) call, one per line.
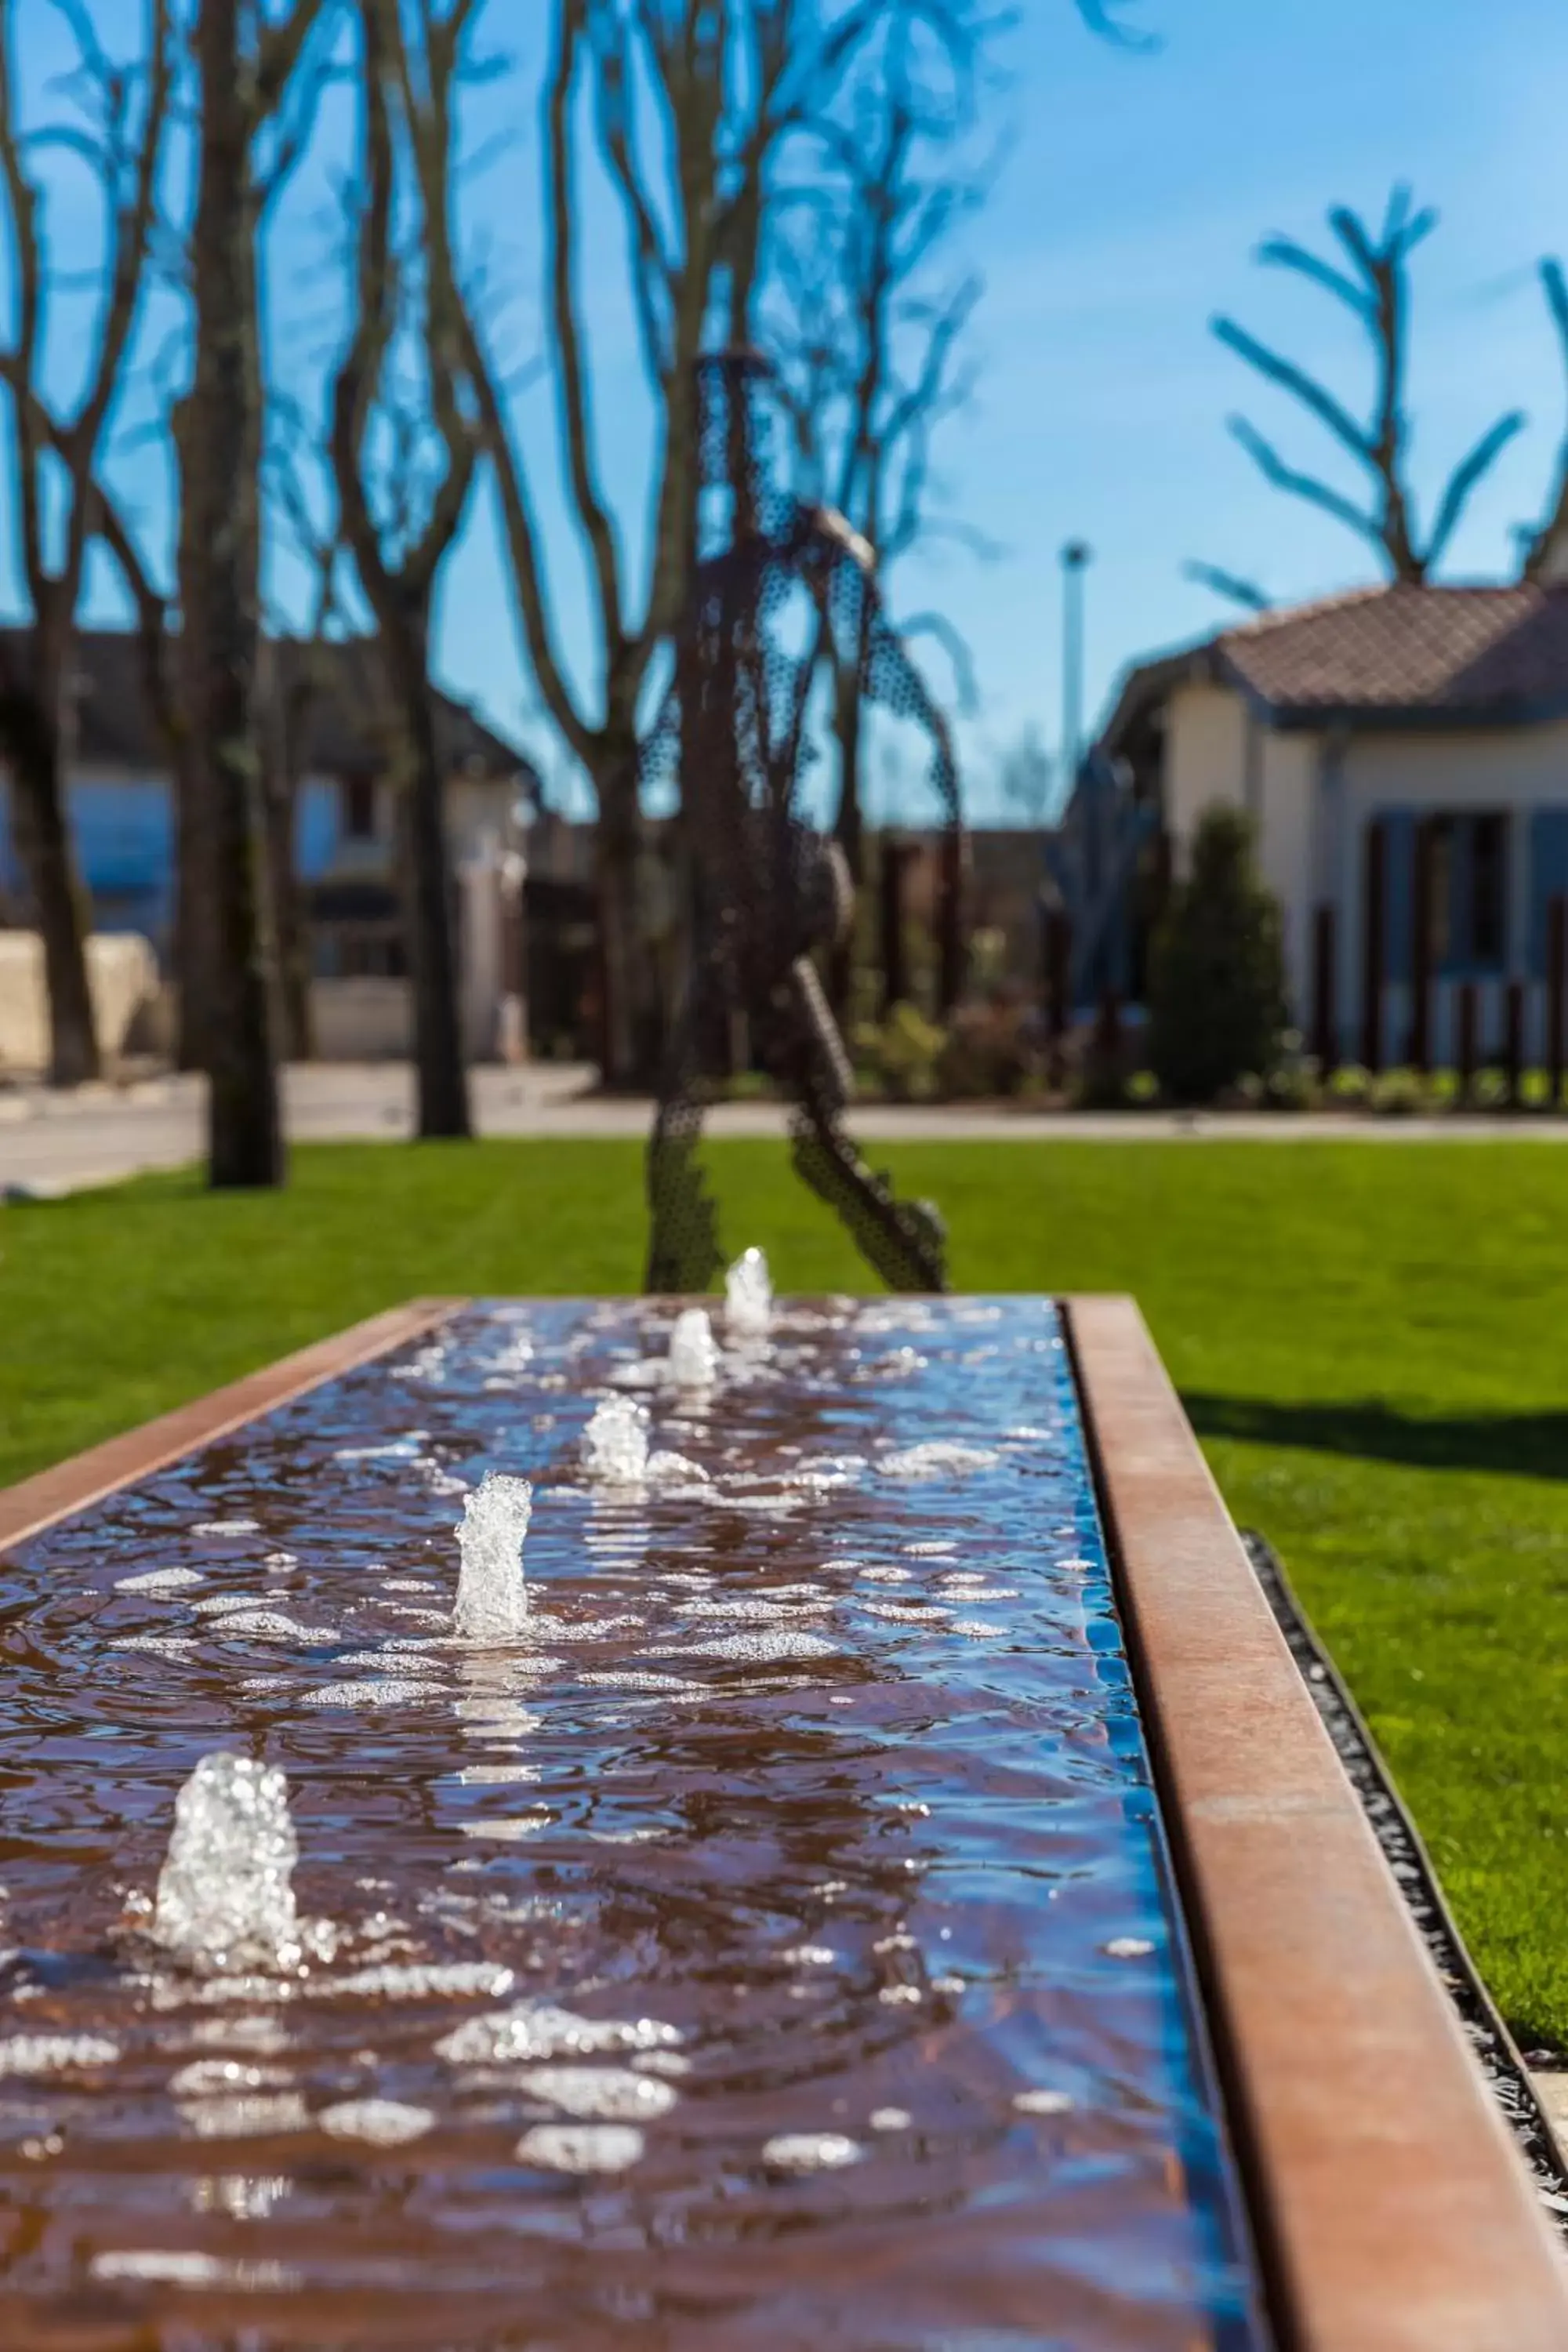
point(614, 1444)
point(225, 1897)
point(749, 1296)
point(693, 1350)
point(492, 1593)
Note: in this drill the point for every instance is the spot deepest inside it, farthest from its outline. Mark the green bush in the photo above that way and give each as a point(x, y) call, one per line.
point(1350, 1086)
point(1216, 978)
point(899, 1056)
point(1399, 1094)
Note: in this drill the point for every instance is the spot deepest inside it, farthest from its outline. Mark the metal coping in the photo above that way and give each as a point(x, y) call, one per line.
point(38, 1502)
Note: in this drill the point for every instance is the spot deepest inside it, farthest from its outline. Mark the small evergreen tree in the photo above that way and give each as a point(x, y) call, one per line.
point(1216, 975)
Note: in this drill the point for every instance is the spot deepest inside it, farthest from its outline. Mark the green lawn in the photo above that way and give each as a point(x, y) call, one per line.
point(1373, 1341)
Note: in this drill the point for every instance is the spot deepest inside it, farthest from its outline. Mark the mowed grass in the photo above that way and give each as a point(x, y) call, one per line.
point(1372, 1340)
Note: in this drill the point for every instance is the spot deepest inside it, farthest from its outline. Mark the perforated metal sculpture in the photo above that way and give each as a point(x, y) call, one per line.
point(766, 888)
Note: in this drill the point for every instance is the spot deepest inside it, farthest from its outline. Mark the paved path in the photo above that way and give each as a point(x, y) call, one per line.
point(96, 1134)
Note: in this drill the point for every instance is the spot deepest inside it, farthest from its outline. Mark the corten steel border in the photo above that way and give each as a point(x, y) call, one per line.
point(1392, 2210)
point(38, 1502)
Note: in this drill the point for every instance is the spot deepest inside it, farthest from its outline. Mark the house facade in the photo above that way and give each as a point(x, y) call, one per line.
point(121, 807)
point(1403, 752)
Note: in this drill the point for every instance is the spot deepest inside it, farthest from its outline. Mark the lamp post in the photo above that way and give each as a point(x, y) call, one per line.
point(1075, 558)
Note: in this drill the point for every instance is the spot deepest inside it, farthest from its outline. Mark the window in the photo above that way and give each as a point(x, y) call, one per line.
point(357, 804)
point(1463, 859)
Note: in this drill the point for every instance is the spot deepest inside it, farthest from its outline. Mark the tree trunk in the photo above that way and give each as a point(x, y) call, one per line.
point(192, 951)
point(221, 450)
point(193, 946)
point(848, 829)
point(43, 847)
point(629, 1014)
point(291, 931)
point(284, 709)
point(440, 1076)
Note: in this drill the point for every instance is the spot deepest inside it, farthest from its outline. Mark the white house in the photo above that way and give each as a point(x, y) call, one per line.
point(123, 822)
point(1404, 754)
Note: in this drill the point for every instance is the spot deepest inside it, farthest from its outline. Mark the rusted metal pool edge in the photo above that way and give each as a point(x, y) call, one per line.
point(1392, 2212)
point(36, 1503)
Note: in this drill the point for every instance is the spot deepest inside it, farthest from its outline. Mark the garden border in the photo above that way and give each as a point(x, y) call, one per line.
point(1392, 2209)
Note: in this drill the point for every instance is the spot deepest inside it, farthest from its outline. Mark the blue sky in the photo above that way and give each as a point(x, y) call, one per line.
point(1134, 187)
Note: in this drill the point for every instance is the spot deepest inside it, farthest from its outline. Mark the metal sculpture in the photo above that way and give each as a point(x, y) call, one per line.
point(767, 890)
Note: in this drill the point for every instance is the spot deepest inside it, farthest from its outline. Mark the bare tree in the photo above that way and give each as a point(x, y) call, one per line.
point(868, 328)
point(295, 671)
point(870, 337)
point(118, 128)
point(1373, 283)
point(687, 99)
point(156, 611)
point(246, 66)
point(400, 515)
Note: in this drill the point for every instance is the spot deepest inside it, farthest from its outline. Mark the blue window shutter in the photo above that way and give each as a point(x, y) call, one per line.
point(1548, 876)
point(1399, 887)
point(315, 827)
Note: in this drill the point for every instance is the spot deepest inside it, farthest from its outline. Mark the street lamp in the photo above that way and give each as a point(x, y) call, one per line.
point(1076, 557)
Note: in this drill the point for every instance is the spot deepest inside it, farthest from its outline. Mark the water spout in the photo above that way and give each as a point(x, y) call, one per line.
point(749, 1296)
point(224, 1894)
point(693, 1350)
point(493, 1593)
point(614, 1444)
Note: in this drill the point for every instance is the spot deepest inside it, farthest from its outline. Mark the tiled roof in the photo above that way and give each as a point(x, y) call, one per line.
point(1470, 652)
point(346, 727)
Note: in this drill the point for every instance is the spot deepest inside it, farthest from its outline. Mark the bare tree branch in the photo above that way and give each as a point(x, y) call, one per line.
point(1464, 478)
point(567, 341)
point(127, 108)
point(1104, 16)
point(281, 47)
point(1230, 585)
point(1302, 485)
point(1377, 294)
point(1284, 253)
point(1537, 539)
point(1299, 384)
point(868, 340)
point(652, 268)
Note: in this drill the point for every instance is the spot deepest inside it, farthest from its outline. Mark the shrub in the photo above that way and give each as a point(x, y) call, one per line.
point(991, 1049)
point(1399, 1094)
point(1216, 979)
point(1103, 1056)
point(1350, 1086)
point(900, 1054)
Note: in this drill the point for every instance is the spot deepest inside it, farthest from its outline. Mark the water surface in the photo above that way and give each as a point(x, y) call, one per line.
point(815, 1800)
